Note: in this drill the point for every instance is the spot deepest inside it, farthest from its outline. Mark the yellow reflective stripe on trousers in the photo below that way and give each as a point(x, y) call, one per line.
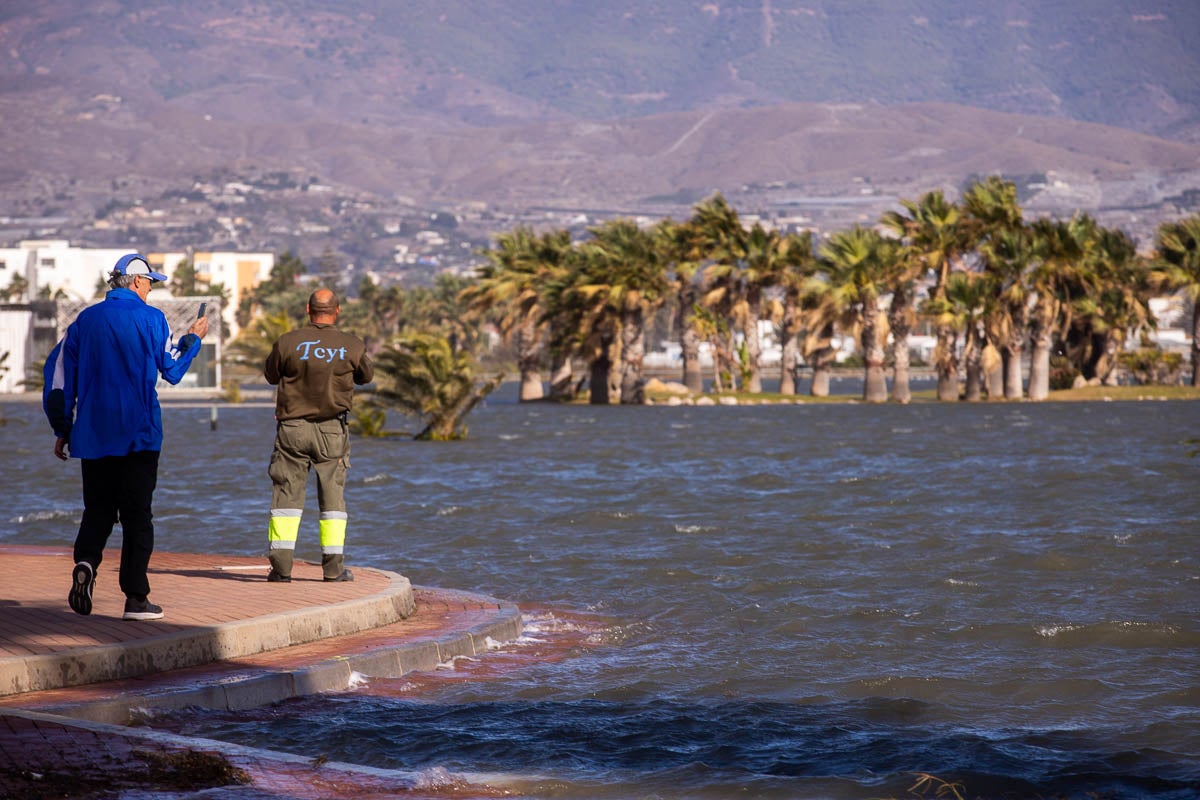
point(333, 531)
point(284, 528)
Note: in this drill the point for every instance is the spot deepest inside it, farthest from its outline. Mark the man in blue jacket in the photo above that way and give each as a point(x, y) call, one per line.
point(101, 401)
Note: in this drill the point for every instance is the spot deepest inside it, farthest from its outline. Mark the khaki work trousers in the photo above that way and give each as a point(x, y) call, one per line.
point(302, 446)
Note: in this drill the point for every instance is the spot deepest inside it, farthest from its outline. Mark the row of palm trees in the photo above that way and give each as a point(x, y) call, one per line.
point(989, 283)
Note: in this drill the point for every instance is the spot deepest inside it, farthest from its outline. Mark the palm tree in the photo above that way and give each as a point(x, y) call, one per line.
point(1008, 257)
point(509, 286)
point(438, 308)
point(583, 323)
point(995, 226)
point(712, 328)
point(857, 263)
point(711, 238)
point(934, 230)
point(901, 316)
point(684, 251)
point(1063, 253)
point(18, 287)
point(1177, 268)
point(967, 301)
point(425, 375)
point(375, 316)
point(626, 264)
point(821, 315)
point(283, 290)
point(1117, 305)
point(746, 262)
point(253, 345)
point(800, 265)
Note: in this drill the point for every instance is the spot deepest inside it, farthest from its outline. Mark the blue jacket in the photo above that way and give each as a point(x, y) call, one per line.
point(100, 379)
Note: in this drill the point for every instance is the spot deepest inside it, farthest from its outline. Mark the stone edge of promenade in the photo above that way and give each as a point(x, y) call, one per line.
point(194, 647)
point(328, 675)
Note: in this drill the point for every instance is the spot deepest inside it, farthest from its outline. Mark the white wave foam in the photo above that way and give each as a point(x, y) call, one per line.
point(379, 477)
point(435, 778)
point(1050, 631)
point(44, 516)
point(448, 511)
point(452, 664)
point(694, 528)
point(546, 623)
point(357, 680)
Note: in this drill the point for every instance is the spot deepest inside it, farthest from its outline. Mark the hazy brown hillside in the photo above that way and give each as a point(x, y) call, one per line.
point(621, 163)
point(579, 104)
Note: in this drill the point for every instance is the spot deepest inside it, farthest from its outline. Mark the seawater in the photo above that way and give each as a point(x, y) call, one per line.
point(770, 601)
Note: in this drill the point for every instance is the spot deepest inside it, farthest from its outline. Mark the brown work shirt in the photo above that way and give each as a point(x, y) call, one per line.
point(316, 368)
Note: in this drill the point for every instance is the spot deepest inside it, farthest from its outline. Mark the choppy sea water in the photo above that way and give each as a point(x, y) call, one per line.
point(821, 601)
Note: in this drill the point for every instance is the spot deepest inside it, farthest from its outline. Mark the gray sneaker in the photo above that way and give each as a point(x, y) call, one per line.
point(83, 580)
point(141, 609)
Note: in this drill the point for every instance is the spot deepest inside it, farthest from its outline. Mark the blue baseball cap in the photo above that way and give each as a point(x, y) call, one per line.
point(134, 264)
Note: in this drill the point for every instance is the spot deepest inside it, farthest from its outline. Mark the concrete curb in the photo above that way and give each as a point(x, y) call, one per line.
point(259, 687)
point(205, 645)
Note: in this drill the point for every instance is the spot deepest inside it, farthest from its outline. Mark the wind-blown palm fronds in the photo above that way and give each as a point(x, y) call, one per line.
point(423, 375)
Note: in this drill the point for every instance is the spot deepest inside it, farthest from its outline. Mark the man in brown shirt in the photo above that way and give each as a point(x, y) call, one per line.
point(316, 369)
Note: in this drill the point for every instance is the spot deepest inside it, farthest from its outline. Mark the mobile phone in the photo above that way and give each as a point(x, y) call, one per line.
point(200, 313)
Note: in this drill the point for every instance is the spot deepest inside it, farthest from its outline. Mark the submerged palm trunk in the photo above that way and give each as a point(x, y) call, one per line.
point(1014, 370)
point(874, 384)
point(598, 382)
point(900, 321)
point(1041, 334)
point(1014, 353)
point(993, 372)
point(689, 340)
point(690, 347)
point(529, 357)
point(822, 360)
point(789, 363)
point(753, 346)
point(562, 377)
point(790, 354)
point(633, 349)
point(973, 356)
point(947, 364)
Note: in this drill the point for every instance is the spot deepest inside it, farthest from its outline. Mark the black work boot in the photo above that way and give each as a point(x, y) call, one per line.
point(333, 567)
point(281, 566)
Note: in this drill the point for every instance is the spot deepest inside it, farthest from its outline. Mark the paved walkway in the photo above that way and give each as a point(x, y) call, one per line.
point(229, 640)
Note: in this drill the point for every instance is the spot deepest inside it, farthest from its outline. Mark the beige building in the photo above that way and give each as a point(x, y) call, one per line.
point(237, 272)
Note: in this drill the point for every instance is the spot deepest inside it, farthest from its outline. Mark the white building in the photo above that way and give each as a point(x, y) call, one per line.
point(53, 267)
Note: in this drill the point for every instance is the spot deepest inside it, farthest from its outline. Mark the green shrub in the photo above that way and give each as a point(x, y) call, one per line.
point(1150, 365)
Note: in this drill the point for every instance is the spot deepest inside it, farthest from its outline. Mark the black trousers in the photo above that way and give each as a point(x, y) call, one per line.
point(120, 487)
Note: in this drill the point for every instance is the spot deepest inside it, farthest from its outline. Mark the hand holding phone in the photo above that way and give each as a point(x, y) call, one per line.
point(200, 326)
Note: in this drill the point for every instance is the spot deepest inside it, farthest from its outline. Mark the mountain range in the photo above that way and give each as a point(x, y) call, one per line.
point(613, 104)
